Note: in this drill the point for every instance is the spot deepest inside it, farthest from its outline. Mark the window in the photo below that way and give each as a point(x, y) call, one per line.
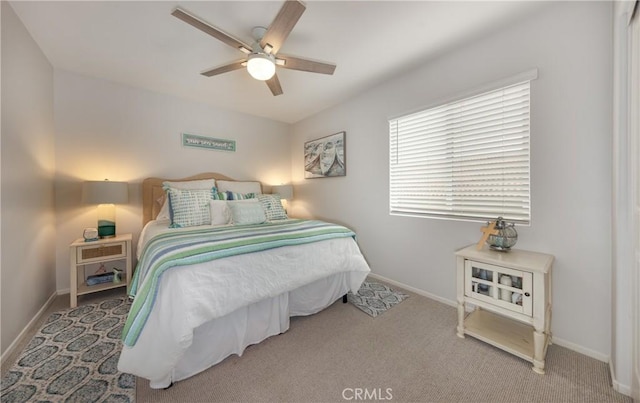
point(467, 159)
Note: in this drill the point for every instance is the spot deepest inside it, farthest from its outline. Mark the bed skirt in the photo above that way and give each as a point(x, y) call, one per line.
point(231, 334)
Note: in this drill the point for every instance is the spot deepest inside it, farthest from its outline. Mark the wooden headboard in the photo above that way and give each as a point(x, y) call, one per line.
point(153, 195)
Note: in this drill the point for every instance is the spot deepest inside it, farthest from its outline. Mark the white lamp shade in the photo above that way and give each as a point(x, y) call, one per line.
point(105, 192)
point(260, 66)
point(285, 191)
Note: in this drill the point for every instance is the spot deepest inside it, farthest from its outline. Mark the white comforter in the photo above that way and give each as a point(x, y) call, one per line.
point(190, 296)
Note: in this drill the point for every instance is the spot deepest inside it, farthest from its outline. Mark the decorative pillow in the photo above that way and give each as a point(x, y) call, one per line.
point(189, 208)
point(272, 206)
point(184, 185)
point(232, 196)
point(246, 212)
point(220, 213)
point(239, 187)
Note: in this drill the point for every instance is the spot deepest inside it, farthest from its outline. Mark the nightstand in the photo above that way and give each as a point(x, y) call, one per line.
point(103, 252)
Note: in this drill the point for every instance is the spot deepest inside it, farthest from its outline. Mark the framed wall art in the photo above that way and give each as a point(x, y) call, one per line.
point(325, 157)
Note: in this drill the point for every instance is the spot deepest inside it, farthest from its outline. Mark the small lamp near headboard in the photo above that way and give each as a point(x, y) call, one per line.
point(106, 194)
point(285, 192)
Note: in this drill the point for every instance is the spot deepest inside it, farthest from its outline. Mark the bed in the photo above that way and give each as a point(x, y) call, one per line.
point(205, 292)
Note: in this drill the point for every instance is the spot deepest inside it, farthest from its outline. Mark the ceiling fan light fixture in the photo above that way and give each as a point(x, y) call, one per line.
point(261, 57)
point(261, 66)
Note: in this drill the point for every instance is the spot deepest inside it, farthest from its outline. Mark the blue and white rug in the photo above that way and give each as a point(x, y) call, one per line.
point(375, 298)
point(74, 358)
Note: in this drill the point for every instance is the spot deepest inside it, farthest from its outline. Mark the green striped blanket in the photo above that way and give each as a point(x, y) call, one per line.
point(171, 249)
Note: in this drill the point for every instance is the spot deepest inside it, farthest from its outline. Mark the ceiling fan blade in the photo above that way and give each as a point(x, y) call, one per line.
point(274, 85)
point(296, 63)
point(282, 25)
point(238, 64)
point(206, 28)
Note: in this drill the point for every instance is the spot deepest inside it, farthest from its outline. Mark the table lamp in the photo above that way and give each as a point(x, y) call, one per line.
point(285, 192)
point(105, 194)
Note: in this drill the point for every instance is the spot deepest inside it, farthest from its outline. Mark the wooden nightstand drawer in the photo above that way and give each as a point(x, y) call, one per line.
point(100, 252)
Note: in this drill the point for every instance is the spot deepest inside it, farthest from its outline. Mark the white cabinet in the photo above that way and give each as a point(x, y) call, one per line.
point(511, 292)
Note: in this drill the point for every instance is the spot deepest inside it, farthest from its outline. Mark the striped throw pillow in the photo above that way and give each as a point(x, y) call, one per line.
point(227, 195)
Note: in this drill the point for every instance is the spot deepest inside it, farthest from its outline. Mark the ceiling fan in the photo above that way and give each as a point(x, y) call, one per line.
point(262, 57)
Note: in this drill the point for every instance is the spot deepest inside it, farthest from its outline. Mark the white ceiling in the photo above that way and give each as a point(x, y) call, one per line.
point(142, 45)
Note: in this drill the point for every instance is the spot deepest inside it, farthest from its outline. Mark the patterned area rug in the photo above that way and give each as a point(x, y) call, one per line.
point(74, 358)
point(375, 298)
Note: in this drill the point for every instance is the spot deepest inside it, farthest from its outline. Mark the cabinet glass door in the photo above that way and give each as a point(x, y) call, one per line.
point(499, 286)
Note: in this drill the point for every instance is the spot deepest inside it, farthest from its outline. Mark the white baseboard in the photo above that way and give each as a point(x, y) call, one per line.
point(571, 346)
point(617, 386)
point(37, 316)
point(582, 350)
point(414, 290)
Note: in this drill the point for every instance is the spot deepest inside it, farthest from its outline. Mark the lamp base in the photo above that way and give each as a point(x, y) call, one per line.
point(106, 229)
point(106, 220)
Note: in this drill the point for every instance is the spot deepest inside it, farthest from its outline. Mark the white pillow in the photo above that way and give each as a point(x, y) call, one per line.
point(184, 185)
point(164, 210)
point(220, 213)
point(189, 185)
point(246, 212)
point(239, 187)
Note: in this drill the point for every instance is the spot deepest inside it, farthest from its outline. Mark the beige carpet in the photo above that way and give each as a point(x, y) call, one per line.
point(409, 353)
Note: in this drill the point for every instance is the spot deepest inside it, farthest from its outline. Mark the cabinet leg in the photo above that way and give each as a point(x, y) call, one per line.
point(538, 351)
point(538, 367)
point(460, 328)
point(547, 328)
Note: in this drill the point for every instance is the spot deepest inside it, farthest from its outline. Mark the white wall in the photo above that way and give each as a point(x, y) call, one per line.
point(622, 207)
point(108, 130)
point(28, 221)
point(571, 45)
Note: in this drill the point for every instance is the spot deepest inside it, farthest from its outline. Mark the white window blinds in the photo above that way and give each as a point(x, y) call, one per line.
point(468, 159)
